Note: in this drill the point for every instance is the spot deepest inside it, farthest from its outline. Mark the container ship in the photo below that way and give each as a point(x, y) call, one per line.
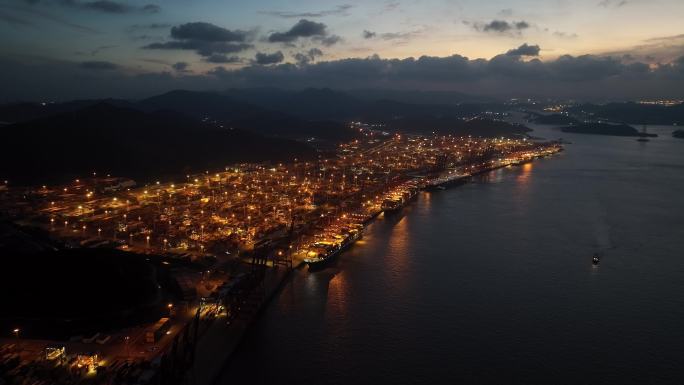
point(398, 199)
point(391, 205)
point(451, 178)
point(322, 252)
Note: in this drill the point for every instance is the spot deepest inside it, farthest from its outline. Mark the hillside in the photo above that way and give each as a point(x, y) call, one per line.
point(123, 141)
point(261, 118)
point(634, 113)
point(554, 119)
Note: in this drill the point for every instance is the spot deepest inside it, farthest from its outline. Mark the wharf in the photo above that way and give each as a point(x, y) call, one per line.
point(220, 340)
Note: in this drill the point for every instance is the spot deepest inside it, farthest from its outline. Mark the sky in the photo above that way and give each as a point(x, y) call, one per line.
point(610, 49)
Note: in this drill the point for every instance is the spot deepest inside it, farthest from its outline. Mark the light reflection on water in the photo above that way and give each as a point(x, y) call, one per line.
point(492, 282)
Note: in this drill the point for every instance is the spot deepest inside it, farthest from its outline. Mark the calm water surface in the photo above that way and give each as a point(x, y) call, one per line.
point(492, 282)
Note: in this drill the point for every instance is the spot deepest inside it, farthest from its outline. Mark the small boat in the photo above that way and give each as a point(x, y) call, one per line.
point(595, 259)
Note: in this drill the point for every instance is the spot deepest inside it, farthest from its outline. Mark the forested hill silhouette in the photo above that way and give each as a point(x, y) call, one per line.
point(121, 141)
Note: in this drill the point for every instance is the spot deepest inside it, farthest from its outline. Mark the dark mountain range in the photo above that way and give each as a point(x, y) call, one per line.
point(21, 112)
point(205, 106)
point(327, 104)
point(419, 97)
point(230, 112)
point(319, 113)
point(202, 105)
point(314, 104)
point(127, 142)
point(634, 113)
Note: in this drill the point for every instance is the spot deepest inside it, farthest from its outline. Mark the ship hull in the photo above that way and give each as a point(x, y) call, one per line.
point(322, 262)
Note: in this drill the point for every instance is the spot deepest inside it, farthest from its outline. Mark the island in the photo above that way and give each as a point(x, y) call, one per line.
point(606, 129)
point(555, 119)
point(678, 134)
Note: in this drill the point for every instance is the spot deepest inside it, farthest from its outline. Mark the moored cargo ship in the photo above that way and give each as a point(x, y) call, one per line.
point(398, 199)
point(322, 252)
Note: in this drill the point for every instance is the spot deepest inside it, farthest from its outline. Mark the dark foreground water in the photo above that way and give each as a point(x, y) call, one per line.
point(492, 282)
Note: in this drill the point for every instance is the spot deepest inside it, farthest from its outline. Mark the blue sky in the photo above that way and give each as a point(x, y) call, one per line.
point(122, 32)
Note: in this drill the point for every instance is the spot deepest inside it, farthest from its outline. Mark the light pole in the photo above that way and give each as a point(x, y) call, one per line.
point(16, 333)
point(128, 351)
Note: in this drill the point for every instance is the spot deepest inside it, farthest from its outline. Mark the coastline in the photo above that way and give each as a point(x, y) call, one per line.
point(219, 343)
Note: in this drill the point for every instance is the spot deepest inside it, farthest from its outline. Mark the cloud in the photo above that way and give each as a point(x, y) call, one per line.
point(104, 6)
point(586, 77)
point(202, 31)
point(613, 3)
point(663, 49)
point(96, 50)
point(328, 40)
point(391, 6)
point(506, 12)
point(13, 20)
point(205, 39)
point(524, 50)
point(48, 16)
point(146, 31)
point(151, 8)
point(219, 72)
point(201, 47)
point(269, 58)
point(565, 35)
point(180, 66)
point(155, 61)
point(502, 27)
point(150, 26)
point(99, 65)
point(303, 29)
point(307, 57)
point(219, 58)
point(665, 38)
point(399, 35)
point(340, 10)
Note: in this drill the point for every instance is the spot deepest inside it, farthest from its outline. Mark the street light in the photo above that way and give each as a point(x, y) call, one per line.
point(16, 333)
